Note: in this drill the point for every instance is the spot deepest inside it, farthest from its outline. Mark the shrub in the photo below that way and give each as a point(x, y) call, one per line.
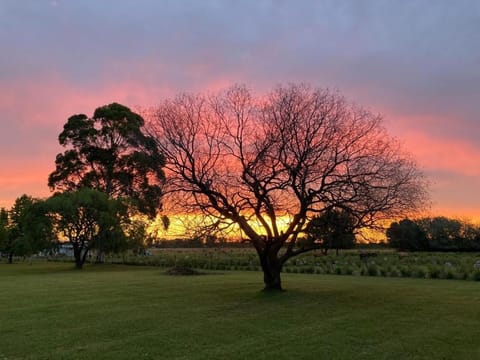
point(434, 272)
point(449, 274)
point(421, 273)
point(405, 271)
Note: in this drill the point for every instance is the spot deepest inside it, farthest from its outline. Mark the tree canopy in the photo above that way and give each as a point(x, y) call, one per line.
point(407, 235)
point(333, 229)
point(111, 153)
point(25, 229)
point(293, 153)
point(434, 234)
point(87, 218)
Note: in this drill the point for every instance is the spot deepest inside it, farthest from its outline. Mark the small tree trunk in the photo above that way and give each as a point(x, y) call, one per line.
point(10, 258)
point(272, 268)
point(78, 264)
point(100, 258)
point(79, 259)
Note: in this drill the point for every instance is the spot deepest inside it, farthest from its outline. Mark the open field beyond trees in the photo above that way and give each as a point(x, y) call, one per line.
point(51, 311)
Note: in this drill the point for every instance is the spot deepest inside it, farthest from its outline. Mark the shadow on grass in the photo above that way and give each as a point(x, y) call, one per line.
point(47, 267)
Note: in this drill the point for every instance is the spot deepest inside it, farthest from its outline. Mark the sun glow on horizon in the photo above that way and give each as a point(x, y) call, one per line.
point(184, 226)
point(188, 225)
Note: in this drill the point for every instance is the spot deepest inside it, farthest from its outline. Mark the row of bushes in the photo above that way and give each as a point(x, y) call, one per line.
point(391, 264)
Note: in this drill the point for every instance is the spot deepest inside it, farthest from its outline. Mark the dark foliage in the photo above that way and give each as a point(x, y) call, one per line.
point(434, 234)
point(25, 229)
point(111, 153)
point(333, 229)
point(88, 219)
point(407, 235)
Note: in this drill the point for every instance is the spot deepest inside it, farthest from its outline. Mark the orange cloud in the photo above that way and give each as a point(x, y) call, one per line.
point(444, 154)
point(34, 111)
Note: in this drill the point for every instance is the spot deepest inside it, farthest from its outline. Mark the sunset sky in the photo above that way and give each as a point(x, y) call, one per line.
point(415, 62)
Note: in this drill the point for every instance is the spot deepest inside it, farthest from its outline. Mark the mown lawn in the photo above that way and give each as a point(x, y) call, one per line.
point(50, 311)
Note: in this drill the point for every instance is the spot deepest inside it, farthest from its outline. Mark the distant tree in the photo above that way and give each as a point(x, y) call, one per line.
point(294, 153)
point(111, 153)
point(138, 237)
point(333, 229)
point(26, 228)
point(476, 239)
point(87, 218)
point(3, 229)
point(443, 232)
point(447, 234)
point(407, 235)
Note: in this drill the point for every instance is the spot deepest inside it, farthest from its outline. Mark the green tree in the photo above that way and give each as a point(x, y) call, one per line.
point(138, 237)
point(110, 152)
point(333, 229)
point(88, 218)
point(27, 229)
point(407, 235)
point(3, 229)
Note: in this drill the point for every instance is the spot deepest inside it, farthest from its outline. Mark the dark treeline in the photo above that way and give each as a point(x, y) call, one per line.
point(209, 241)
point(434, 234)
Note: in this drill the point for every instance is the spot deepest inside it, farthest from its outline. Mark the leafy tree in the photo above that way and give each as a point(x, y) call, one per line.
point(294, 153)
point(3, 229)
point(443, 232)
point(27, 229)
point(87, 218)
point(110, 152)
point(407, 235)
point(447, 234)
point(333, 229)
point(138, 237)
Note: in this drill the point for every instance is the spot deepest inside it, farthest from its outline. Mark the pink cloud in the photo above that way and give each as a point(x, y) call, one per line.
point(37, 109)
point(443, 154)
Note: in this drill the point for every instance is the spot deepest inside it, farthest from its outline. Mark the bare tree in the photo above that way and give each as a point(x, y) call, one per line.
point(296, 152)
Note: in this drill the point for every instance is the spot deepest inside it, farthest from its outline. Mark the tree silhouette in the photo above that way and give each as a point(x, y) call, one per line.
point(407, 235)
point(110, 153)
point(241, 159)
point(25, 229)
point(86, 217)
point(333, 229)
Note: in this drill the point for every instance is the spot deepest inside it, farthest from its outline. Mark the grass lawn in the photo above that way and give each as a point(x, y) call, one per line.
point(50, 311)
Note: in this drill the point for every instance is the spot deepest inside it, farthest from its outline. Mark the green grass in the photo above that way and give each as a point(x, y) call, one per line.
point(49, 311)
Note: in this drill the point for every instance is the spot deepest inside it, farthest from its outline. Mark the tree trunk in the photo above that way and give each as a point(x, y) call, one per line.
point(10, 258)
point(78, 264)
point(79, 259)
point(100, 258)
point(272, 268)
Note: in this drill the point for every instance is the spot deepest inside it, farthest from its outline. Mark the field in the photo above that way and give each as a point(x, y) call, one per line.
point(386, 263)
point(50, 311)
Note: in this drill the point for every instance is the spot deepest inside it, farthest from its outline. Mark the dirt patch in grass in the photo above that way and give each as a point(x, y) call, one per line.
point(182, 271)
